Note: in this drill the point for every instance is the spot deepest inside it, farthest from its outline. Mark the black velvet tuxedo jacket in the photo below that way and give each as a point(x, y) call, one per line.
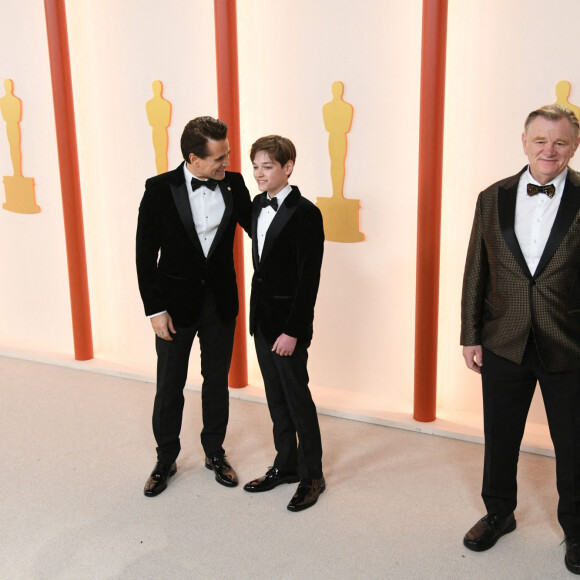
point(502, 300)
point(286, 278)
point(172, 271)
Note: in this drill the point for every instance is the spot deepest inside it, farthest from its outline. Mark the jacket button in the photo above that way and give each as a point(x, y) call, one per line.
point(533, 283)
point(203, 282)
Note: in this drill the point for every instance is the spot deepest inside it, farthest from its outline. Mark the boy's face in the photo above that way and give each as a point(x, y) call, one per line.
point(270, 175)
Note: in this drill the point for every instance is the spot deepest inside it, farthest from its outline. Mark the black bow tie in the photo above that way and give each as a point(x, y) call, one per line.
point(210, 184)
point(549, 190)
point(266, 201)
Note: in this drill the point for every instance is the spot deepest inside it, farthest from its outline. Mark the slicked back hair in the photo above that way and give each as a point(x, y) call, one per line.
point(197, 133)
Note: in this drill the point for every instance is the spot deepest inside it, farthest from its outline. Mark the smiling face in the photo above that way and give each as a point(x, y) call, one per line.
point(549, 146)
point(213, 166)
point(270, 175)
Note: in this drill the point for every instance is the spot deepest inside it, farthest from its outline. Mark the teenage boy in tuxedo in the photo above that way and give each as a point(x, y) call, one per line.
point(287, 248)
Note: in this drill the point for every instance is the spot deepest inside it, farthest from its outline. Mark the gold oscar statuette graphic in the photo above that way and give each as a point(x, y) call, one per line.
point(19, 190)
point(563, 95)
point(341, 215)
point(159, 116)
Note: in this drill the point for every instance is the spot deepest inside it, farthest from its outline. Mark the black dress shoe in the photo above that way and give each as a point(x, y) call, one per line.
point(487, 531)
point(224, 472)
point(572, 558)
point(269, 481)
point(157, 481)
point(307, 494)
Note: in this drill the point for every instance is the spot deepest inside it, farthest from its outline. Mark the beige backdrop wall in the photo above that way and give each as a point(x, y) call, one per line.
point(497, 72)
point(34, 299)
point(289, 54)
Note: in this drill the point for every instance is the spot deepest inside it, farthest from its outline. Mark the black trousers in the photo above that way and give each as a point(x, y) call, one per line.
point(508, 389)
point(216, 339)
point(292, 409)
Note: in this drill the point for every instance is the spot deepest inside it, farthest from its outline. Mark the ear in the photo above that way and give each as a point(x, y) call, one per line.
point(192, 158)
point(524, 144)
point(289, 168)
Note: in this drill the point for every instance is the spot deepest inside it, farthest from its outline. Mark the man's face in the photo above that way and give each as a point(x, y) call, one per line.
point(549, 146)
point(214, 165)
point(270, 175)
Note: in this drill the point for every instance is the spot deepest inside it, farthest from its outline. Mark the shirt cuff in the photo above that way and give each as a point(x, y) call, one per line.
point(157, 314)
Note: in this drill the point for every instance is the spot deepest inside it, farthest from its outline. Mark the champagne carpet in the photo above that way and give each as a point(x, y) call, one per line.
point(77, 448)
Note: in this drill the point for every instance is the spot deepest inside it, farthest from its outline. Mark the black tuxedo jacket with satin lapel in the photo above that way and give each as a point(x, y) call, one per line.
point(502, 300)
point(172, 271)
point(286, 278)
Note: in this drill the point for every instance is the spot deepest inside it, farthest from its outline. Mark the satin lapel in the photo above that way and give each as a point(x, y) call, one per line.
point(506, 207)
point(181, 199)
point(569, 206)
point(226, 191)
point(255, 213)
point(284, 213)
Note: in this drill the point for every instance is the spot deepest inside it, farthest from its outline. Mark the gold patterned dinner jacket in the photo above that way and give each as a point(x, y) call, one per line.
point(502, 300)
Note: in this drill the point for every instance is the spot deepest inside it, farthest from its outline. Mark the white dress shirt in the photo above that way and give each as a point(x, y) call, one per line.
point(535, 217)
point(207, 207)
point(267, 215)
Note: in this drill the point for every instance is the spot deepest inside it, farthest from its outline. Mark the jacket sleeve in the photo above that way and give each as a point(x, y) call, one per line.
point(243, 204)
point(475, 279)
point(309, 257)
point(148, 243)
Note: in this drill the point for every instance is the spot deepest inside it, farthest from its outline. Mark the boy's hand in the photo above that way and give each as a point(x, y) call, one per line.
point(284, 345)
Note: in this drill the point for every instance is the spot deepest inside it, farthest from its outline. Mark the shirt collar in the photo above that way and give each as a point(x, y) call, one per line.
point(558, 181)
point(282, 195)
point(188, 175)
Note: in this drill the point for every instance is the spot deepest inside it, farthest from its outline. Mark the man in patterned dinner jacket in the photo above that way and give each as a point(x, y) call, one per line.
point(520, 321)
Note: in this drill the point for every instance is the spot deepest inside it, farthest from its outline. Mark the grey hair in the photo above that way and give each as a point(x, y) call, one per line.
point(555, 113)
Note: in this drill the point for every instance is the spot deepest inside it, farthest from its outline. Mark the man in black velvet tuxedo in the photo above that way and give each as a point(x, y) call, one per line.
point(287, 248)
point(520, 321)
point(185, 268)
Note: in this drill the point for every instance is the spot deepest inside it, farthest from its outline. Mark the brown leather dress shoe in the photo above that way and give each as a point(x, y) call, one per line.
point(487, 531)
point(224, 472)
point(307, 494)
point(572, 558)
point(157, 481)
point(273, 478)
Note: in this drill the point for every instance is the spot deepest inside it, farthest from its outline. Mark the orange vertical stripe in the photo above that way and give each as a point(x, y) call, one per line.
point(69, 176)
point(432, 111)
point(226, 39)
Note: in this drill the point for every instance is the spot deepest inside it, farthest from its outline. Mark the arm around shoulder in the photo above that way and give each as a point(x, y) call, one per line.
point(242, 201)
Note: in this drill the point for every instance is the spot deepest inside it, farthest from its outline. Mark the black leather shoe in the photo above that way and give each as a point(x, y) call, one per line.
point(307, 494)
point(572, 558)
point(269, 481)
point(157, 481)
point(487, 531)
point(224, 472)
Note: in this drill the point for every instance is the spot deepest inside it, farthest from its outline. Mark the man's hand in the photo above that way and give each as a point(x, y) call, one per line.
point(473, 356)
point(284, 345)
point(163, 326)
